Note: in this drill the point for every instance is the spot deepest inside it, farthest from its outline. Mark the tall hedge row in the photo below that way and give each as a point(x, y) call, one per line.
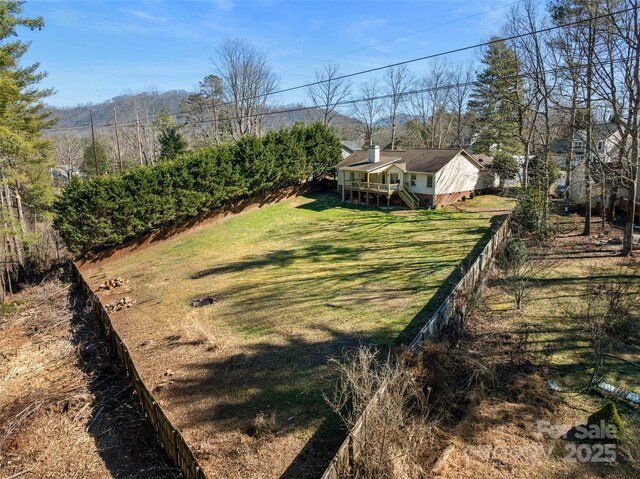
point(107, 210)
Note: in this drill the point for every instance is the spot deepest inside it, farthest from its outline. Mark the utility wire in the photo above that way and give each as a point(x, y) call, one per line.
point(364, 99)
point(374, 98)
point(392, 65)
point(434, 55)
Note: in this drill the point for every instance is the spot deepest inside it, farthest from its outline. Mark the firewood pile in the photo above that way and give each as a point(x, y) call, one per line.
point(113, 283)
point(121, 304)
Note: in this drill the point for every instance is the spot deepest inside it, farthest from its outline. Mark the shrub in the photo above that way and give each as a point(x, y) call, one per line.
point(107, 210)
point(609, 415)
point(513, 254)
point(472, 195)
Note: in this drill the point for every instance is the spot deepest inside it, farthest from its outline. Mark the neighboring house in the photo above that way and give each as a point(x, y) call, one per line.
point(419, 177)
point(349, 147)
point(484, 159)
point(62, 174)
point(605, 157)
point(487, 161)
point(604, 138)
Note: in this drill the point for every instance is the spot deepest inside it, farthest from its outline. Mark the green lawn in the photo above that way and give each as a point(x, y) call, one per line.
point(296, 283)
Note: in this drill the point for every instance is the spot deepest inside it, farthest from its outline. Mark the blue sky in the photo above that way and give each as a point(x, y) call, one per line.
point(94, 50)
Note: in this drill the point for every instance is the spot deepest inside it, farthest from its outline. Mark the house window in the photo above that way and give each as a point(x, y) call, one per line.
point(393, 178)
point(429, 181)
point(352, 175)
point(578, 147)
point(601, 145)
point(413, 180)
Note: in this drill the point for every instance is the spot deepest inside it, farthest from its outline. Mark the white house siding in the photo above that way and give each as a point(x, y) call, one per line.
point(421, 183)
point(577, 189)
point(459, 175)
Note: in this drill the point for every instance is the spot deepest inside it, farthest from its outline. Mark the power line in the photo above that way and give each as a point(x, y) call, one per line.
point(375, 98)
point(436, 55)
point(406, 62)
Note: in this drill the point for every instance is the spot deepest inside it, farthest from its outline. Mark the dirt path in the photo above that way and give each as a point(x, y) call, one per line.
point(66, 409)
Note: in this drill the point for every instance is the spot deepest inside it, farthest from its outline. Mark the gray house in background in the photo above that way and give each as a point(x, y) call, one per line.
point(349, 147)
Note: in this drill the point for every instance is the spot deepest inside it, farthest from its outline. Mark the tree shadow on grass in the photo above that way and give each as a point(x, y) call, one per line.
point(282, 373)
point(286, 379)
point(414, 326)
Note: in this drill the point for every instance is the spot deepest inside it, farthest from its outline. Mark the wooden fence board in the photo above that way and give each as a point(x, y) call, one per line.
point(169, 437)
point(455, 302)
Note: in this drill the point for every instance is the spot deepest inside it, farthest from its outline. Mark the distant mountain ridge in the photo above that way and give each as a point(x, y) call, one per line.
point(149, 104)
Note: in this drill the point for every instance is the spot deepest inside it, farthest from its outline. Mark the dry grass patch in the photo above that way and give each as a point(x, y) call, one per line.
point(64, 411)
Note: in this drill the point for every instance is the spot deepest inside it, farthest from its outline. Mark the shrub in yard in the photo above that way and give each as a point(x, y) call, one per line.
point(472, 195)
point(513, 254)
point(108, 210)
point(609, 415)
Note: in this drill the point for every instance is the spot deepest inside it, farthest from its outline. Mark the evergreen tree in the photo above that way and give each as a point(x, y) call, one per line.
point(88, 167)
point(171, 143)
point(109, 209)
point(495, 99)
point(24, 160)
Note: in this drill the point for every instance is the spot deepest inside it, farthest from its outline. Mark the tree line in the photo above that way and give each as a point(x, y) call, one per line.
point(109, 209)
point(554, 73)
point(25, 159)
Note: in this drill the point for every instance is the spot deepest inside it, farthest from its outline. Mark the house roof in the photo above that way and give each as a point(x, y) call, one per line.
point(350, 146)
point(484, 159)
point(421, 160)
point(359, 160)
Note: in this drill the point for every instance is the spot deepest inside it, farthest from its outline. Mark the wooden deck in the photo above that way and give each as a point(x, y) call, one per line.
point(378, 189)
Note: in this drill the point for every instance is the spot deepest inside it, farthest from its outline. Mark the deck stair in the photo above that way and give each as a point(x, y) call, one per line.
point(410, 199)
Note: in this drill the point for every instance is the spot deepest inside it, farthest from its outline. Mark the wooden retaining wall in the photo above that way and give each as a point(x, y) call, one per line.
point(451, 308)
point(115, 253)
point(170, 438)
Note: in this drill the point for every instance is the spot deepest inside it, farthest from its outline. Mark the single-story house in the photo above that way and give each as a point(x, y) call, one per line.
point(419, 177)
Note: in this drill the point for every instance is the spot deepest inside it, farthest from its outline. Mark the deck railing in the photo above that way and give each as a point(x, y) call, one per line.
point(386, 188)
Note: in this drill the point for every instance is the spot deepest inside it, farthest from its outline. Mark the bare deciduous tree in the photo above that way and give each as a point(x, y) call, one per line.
point(67, 150)
point(618, 81)
point(394, 424)
point(247, 83)
point(461, 81)
point(397, 81)
point(536, 58)
point(368, 110)
point(328, 91)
